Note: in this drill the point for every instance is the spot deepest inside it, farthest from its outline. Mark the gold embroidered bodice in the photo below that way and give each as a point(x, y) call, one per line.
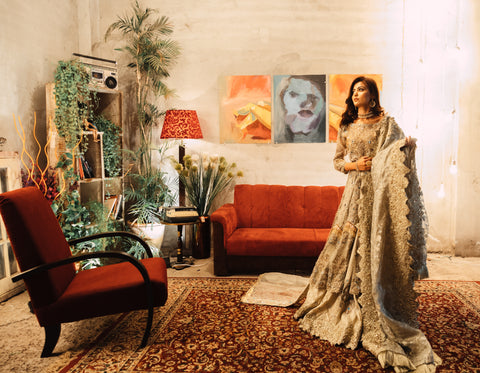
point(357, 140)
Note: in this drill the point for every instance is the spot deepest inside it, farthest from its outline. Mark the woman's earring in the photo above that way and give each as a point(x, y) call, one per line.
point(373, 103)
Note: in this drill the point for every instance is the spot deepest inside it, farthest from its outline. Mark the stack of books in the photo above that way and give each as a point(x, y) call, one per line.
point(114, 206)
point(85, 171)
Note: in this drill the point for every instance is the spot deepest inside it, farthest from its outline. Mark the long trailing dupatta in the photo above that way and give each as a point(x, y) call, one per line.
point(398, 258)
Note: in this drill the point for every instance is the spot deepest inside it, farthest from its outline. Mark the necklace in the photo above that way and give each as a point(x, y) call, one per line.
point(365, 116)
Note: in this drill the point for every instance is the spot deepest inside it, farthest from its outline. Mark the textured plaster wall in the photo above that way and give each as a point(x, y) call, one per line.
point(271, 37)
point(34, 35)
point(468, 198)
point(221, 38)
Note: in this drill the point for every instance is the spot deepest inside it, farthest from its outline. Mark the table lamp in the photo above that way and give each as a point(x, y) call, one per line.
point(181, 124)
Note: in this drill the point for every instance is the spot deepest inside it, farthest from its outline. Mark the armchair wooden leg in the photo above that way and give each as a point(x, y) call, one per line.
point(52, 332)
point(148, 327)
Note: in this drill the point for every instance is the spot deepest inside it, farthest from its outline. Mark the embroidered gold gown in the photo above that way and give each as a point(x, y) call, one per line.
point(361, 289)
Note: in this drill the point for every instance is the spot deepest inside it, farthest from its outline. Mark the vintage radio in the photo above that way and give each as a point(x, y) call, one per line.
point(179, 214)
point(103, 72)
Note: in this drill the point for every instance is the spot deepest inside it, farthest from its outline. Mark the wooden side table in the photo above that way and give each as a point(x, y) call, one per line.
point(180, 225)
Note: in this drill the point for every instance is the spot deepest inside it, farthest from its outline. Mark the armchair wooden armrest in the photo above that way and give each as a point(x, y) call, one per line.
point(113, 234)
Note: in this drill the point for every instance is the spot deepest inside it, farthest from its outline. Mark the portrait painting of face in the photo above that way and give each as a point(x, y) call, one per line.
point(300, 111)
point(338, 86)
point(245, 109)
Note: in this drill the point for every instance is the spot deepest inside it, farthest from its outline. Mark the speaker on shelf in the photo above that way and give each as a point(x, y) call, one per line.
point(103, 72)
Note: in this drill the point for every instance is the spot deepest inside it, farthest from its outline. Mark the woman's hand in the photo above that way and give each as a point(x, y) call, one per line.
point(410, 141)
point(364, 163)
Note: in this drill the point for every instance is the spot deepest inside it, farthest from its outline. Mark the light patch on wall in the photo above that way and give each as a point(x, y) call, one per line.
point(430, 101)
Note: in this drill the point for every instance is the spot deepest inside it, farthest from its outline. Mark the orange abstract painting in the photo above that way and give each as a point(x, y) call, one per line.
point(339, 84)
point(245, 109)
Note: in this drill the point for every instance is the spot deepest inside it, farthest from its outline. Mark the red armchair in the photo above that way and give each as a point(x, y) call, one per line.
point(59, 293)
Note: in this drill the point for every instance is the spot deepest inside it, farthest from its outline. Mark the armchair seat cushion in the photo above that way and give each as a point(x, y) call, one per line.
point(111, 289)
point(291, 242)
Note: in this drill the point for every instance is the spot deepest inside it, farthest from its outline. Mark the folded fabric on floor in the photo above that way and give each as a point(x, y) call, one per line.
point(276, 289)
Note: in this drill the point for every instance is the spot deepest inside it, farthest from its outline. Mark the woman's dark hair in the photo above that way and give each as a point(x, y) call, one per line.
point(350, 114)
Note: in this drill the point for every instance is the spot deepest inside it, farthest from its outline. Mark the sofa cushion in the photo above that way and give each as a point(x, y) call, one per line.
point(301, 242)
point(280, 206)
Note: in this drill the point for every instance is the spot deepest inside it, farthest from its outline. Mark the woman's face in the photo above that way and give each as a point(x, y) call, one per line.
point(361, 95)
point(303, 103)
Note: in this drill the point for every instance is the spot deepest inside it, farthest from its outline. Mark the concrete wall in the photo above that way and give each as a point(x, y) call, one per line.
point(221, 38)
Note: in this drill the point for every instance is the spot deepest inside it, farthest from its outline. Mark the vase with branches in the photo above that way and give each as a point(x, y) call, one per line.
point(204, 178)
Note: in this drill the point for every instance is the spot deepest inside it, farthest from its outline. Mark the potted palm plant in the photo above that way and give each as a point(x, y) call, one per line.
point(151, 55)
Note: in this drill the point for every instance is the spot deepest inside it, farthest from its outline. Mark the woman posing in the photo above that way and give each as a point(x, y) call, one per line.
point(361, 289)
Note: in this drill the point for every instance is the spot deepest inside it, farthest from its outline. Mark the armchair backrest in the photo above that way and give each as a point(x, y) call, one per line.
point(36, 238)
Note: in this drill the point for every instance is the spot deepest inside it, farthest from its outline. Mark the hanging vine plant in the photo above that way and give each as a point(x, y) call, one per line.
point(112, 154)
point(72, 99)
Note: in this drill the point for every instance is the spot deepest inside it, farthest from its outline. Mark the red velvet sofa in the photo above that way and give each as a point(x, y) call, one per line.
point(273, 228)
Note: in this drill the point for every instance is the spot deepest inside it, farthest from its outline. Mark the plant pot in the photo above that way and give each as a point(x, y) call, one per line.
point(201, 244)
point(152, 233)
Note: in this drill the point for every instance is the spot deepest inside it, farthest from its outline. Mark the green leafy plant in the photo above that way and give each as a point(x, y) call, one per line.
point(149, 191)
point(204, 178)
point(112, 153)
point(72, 216)
point(151, 57)
point(72, 99)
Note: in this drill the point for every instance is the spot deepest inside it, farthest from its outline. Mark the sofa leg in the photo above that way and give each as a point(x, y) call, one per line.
point(52, 333)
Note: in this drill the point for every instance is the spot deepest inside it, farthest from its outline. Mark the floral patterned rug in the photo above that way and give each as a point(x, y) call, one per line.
point(204, 327)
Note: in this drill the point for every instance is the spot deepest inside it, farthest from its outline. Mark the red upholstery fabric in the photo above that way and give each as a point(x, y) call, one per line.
point(277, 242)
point(110, 289)
point(275, 226)
point(321, 204)
point(227, 216)
point(280, 206)
point(36, 239)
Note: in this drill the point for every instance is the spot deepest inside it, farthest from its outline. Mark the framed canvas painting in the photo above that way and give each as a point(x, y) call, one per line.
point(299, 108)
point(245, 109)
point(338, 90)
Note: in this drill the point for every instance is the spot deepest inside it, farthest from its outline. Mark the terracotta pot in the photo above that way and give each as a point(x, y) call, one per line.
point(201, 244)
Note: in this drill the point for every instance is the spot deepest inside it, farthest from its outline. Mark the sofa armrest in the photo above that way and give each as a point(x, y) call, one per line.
point(227, 217)
point(224, 222)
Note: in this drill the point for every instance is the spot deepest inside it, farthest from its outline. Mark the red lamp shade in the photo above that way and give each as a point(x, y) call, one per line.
point(181, 124)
